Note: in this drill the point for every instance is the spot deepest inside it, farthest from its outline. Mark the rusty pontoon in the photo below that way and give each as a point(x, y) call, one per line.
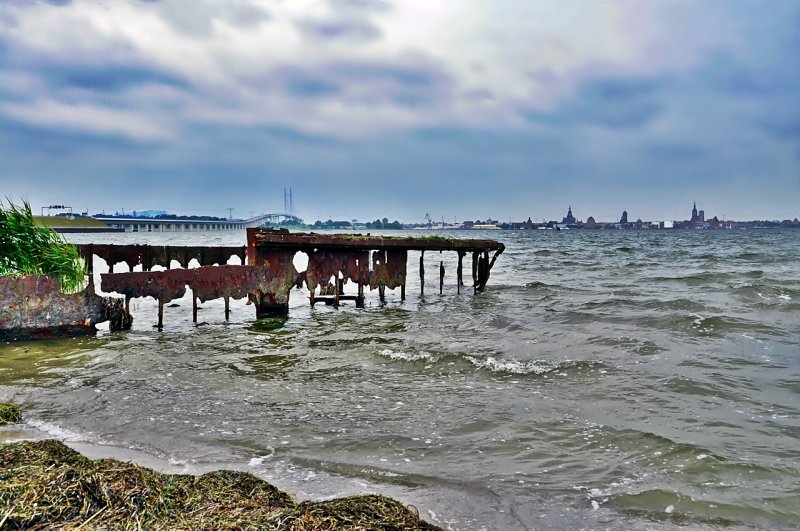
point(268, 274)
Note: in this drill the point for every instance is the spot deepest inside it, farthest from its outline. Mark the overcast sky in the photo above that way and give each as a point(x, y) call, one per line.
point(464, 109)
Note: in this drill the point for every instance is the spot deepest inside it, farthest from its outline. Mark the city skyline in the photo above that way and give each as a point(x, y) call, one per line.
point(454, 109)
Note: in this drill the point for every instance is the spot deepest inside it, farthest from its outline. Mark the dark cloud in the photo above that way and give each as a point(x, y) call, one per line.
point(108, 78)
point(49, 143)
point(616, 103)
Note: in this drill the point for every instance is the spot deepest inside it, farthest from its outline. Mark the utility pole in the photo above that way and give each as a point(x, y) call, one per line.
point(230, 212)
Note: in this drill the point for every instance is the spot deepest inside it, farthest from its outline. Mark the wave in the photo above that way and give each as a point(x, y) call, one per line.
point(512, 366)
point(62, 434)
point(491, 363)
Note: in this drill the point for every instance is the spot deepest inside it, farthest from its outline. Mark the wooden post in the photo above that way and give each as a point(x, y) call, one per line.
point(360, 299)
point(421, 273)
point(441, 277)
point(194, 307)
point(227, 308)
point(336, 285)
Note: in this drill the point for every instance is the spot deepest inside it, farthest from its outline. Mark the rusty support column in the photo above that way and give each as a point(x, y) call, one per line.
point(360, 298)
point(227, 308)
point(382, 293)
point(194, 308)
point(475, 256)
point(90, 268)
point(128, 305)
point(337, 290)
point(311, 296)
point(403, 291)
point(460, 271)
point(160, 314)
point(441, 277)
point(421, 273)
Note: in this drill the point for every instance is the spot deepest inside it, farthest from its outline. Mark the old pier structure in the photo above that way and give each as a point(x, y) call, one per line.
point(268, 274)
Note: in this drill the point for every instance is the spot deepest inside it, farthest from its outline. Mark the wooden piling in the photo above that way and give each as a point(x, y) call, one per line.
point(160, 314)
point(194, 308)
point(227, 308)
point(441, 277)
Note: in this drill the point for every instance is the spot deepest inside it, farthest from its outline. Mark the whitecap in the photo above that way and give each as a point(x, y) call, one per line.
point(406, 356)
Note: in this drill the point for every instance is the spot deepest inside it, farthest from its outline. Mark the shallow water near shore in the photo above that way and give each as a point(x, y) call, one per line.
point(604, 379)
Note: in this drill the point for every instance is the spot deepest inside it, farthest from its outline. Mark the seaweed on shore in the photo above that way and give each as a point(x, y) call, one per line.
point(45, 484)
point(9, 413)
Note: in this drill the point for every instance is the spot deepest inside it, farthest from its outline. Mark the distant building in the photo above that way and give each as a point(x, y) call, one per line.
point(624, 219)
point(569, 219)
point(698, 216)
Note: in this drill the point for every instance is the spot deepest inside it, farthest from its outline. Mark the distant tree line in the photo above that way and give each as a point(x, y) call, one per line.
point(384, 224)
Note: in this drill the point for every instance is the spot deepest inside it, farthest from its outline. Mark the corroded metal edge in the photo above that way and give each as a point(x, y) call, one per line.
point(34, 307)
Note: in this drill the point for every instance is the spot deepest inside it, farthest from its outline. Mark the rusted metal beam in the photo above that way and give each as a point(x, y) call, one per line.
point(148, 256)
point(302, 241)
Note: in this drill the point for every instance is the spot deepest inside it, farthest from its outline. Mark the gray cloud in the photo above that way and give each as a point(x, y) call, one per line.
point(616, 103)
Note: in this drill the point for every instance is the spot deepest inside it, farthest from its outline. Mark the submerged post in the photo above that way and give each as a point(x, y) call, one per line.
point(441, 277)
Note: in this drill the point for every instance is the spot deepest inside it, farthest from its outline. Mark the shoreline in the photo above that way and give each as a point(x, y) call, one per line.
point(46, 481)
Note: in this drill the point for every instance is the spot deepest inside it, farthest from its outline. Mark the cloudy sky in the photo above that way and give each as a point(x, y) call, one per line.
point(462, 109)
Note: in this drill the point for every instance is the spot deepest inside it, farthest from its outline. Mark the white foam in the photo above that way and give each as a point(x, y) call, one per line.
point(514, 366)
point(56, 431)
point(405, 356)
point(669, 509)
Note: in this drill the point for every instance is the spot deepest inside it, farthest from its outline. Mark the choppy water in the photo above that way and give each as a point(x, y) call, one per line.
point(605, 379)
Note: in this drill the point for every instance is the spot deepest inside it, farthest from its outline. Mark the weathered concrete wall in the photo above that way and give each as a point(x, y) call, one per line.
point(33, 307)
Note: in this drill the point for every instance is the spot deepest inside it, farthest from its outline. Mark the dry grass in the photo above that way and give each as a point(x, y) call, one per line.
point(45, 484)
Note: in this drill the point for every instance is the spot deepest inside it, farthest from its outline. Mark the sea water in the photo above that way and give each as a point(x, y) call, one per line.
point(605, 379)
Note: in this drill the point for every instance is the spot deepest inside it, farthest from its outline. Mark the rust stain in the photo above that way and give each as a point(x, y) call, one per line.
point(33, 306)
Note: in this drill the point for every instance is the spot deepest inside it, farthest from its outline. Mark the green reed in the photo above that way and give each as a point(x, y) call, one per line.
point(30, 249)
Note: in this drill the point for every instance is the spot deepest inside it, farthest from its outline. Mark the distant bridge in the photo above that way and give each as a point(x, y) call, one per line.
point(273, 218)
point(178, 224)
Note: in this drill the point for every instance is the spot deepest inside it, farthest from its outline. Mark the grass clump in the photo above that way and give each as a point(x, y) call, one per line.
point(9, 413)
point(27, 248)
point(45, 484)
